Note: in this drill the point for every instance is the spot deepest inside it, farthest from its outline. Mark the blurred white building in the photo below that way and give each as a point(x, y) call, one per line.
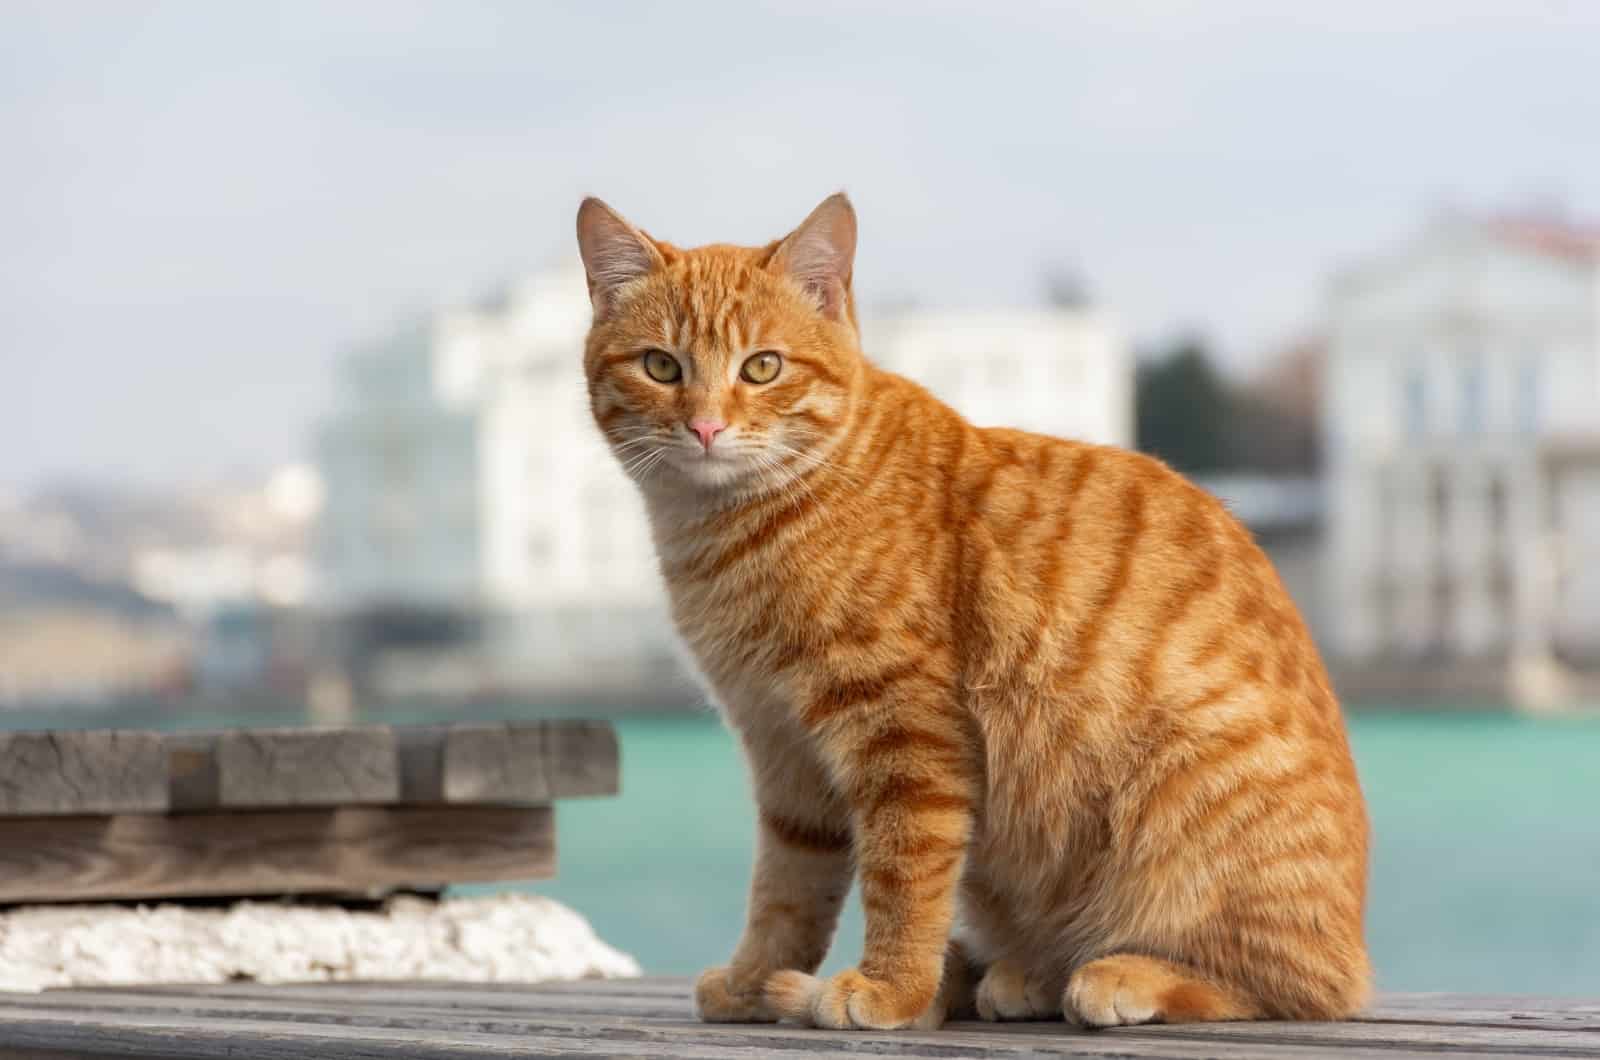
point(464, 473)
point(1057, 371)
point(1463, 444)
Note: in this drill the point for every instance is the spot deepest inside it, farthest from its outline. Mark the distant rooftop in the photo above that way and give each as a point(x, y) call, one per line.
point(1557, 236)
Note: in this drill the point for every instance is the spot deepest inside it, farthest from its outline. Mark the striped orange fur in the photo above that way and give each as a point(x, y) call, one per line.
point(1047, 701)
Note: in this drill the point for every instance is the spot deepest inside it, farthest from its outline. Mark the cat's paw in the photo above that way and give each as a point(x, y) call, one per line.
point(847, 1001)
point(719, 999)
point(1112, 992)
point(1006, 992)
point(1127, 988)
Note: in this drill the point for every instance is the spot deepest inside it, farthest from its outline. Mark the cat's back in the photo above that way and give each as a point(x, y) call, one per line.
point(1140, 582)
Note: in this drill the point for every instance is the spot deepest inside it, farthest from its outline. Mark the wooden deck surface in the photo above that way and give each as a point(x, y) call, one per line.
point(652, 1018)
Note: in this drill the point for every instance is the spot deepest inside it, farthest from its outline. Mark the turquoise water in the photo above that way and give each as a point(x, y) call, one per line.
point(1485, 876)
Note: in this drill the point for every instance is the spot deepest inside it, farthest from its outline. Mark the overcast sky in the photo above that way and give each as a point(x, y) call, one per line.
point(202, 204)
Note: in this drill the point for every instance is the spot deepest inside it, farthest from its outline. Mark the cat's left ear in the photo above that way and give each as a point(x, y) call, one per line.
point(820, 254)
point(614, 253)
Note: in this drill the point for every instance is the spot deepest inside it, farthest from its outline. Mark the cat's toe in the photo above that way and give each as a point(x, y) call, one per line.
point(847, 1001)
point(718, 998)
point(792, 995)
point(1008, 993)
point(1103, 994)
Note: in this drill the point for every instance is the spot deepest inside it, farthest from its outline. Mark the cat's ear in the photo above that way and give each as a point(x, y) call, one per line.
point(821, 253)
point(614, 252)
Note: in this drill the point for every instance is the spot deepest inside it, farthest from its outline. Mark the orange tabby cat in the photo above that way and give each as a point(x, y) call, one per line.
point(1048, 688)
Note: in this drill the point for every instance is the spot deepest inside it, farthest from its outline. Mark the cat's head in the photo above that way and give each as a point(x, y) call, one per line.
point(721, 368)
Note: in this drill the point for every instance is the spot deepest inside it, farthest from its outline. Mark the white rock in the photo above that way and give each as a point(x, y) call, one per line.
point(499, 938)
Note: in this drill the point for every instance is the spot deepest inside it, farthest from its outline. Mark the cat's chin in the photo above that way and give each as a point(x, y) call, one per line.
point(714, 473)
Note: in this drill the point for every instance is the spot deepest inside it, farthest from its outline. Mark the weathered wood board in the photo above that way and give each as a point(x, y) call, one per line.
point(120, 772)
point(310, 851)
point(98, 771)
point(653, 1018)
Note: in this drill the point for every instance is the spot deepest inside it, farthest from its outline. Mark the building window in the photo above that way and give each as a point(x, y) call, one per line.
point(1439, 500)
point(1497, 507)
point(1528, 400)
point(1472, 395)
point(1388, 507)
point(1416, 403)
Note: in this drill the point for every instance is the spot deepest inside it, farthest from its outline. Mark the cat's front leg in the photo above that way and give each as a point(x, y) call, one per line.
point(913, 787)
point(802, 873)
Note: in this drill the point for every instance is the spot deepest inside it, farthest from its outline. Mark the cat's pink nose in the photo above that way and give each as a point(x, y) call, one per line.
point(707, 430)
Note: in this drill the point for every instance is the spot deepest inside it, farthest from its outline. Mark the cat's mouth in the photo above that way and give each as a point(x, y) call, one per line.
point(728, 463)
point(717, 466)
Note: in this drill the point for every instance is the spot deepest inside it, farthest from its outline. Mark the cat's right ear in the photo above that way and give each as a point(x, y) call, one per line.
point(820, 254)
point(614, 253)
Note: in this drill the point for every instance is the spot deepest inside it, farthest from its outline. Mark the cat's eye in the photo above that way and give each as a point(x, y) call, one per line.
point(762, 367)
point(662, 366)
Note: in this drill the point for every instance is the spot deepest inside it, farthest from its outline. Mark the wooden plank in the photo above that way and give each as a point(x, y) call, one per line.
point(530, 764)
point(259, 768)
point(582, 758)
point(496, 763)
point(117, 771)
point(1500, 1016)
point(270, 852)
point(46, 1036)
point(675, 987)
point(374, 998)
point(93, 771)
point(1361, 1035)
point(1453, 1003)
point(362, 1033)
point(531, 1014)
point(669, 998)
point(1444, 1002)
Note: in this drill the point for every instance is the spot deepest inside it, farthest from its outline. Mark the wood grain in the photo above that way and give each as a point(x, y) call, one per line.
point(270, 852)
point(123, 771)
point(582, 758)
point(96, 771)
point(530, 763)
point(496, 763)
point(307, 767)
point(652, 1018)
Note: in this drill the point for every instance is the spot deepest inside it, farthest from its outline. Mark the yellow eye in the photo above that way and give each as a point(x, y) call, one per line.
point(662, 366)
point(762, 367)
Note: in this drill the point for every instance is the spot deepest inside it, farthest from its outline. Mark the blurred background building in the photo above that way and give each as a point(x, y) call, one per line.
point(108, 593)
point(1462, 433)
point(468, 485)
point(1061, 371)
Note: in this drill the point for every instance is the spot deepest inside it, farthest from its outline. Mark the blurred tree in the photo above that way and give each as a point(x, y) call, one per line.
point(1190, 415)
point(1181, 409)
